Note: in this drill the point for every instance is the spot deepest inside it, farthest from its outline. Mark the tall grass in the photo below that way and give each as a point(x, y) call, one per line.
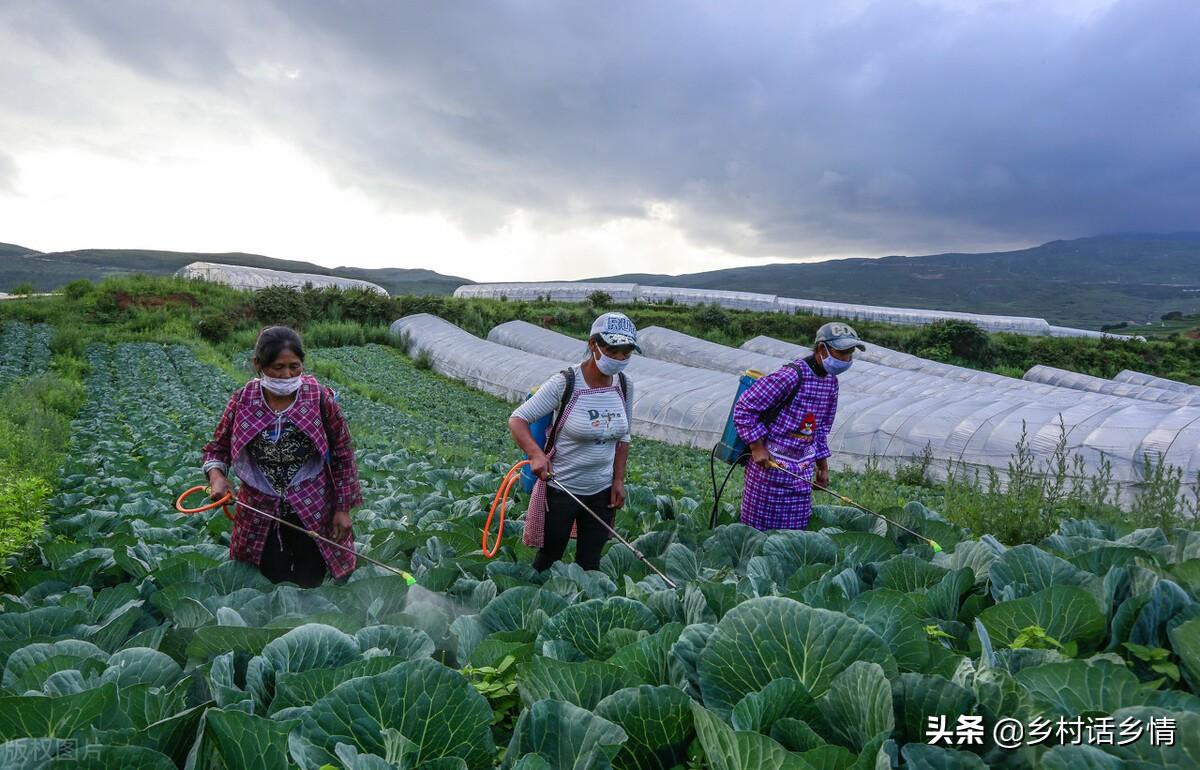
point(1032, 497)
point(35, 429)
point(336, 334)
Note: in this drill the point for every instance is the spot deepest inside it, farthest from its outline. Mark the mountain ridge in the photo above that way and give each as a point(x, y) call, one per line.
point(50, 270)
point(1089, 282)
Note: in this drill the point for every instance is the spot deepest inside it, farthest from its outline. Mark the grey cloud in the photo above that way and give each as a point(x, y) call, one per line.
point(788, 130)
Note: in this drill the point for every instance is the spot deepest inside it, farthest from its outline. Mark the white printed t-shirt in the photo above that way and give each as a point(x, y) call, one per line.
point(586, 446)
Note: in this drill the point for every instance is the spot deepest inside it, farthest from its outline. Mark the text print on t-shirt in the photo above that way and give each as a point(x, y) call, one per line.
point(604, 420)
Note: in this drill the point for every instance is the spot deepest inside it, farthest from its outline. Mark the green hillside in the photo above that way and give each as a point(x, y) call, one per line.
point(13, 250)
point(1087, 282)
point(50, 271)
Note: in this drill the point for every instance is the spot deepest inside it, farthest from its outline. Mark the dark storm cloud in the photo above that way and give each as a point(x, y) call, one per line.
point(773, 128)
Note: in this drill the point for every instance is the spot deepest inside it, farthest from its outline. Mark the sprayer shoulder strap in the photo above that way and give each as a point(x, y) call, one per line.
point(771, 415)
point(568, 391)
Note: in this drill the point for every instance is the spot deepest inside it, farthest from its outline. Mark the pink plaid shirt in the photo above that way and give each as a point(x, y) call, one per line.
point(315, 499)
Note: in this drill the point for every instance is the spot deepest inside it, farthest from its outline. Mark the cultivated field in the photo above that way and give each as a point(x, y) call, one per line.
point(128, 639)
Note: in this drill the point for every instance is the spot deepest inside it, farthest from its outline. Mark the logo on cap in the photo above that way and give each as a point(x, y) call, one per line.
point(619, 324)
point(841, 330)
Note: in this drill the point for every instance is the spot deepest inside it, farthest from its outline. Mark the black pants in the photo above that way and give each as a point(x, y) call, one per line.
point(561, 514)
point(292, 556)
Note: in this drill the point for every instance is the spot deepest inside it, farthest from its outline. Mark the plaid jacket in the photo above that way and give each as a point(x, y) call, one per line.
point(773, 499)
point(314, 499)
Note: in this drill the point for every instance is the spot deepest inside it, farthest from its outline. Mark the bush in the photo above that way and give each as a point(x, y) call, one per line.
point(962, 339)
point(366, 307)
point(71, 367)
point(600, 299)
point(25, 287)
point(214, 327)
point(77, 290)
point(711, 316)
point(935, 352)
point(69, 341)
point(411, 304)
point(281, 305)
point(22, 511)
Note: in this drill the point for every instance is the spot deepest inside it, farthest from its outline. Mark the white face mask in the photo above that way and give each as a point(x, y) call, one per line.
point(280, 387)
point(610, 366)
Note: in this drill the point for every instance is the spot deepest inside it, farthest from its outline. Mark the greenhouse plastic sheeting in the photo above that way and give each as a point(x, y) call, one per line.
point(253, 278)
point(1067, 331)
point(735, 300)
point(523, 336)
point(870, 377)
point(893, 359)
point(979, 427)
point(559, 291)
point(914, 316)
point(1078, 381)
point(886, 414)
point(679, 348)
point(630, 292)
point(1140, 378)
point(459, 355)
point(672, 403)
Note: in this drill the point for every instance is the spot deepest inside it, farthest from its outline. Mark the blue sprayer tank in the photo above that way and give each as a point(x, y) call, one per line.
point(732, 447)
point(539, 429)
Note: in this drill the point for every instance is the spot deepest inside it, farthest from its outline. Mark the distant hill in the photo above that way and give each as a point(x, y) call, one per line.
point(11, 249)
point(1084, 282)
point(49, 271)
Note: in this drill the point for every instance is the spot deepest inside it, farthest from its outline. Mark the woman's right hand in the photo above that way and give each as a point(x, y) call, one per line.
point(761, 456)
point(219, 483)
point(539, 464)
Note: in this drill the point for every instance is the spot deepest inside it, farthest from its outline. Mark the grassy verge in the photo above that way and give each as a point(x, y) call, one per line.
point(35, 430)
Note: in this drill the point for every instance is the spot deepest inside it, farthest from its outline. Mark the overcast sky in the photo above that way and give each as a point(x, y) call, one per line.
point(532, 140)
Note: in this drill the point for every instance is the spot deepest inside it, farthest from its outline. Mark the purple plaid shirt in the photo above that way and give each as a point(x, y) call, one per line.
point(798, 437)
point(315, 499)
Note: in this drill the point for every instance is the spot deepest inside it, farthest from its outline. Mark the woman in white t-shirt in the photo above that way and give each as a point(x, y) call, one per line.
point(588, 450)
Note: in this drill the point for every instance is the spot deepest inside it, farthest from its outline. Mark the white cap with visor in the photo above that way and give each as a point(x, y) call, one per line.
point(616, 330)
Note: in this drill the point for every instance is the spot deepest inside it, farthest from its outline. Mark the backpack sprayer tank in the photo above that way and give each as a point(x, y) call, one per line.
point(732, 449)
point(539, 430)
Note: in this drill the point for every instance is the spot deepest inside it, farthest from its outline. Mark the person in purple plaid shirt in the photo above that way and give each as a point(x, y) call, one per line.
point(785, 419)
point(287, 440)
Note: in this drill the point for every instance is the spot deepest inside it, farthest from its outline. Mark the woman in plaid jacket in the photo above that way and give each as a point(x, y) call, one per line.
point(785, 419)
point(288, 442)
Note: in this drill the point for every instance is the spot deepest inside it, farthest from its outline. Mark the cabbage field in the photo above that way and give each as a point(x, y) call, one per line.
point(24, 350)
point(129, 640)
